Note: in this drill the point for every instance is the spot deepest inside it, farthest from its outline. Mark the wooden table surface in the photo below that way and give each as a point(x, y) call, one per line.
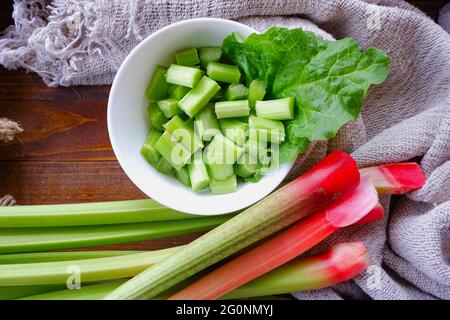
point(64, 154)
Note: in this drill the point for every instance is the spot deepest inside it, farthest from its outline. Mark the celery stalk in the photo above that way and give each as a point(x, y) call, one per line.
point(183, 76)
point(313, 191)
point(224, 186)
point(206, 123)
point(156, 116)
point(41, 239)
point(35, 257)
point(46, 273)
point(232, 109)
point(279, 109)
point(256, 92)
point(222, 150)
point(184, 134)
point(234, 130)
point(245, 169)
point(273, 130)
point(188, 57)
point(209, 54)
point(164, 167)
point(183, 176)
point(220, 171)
point(169, 107)
point(198, 174)
point(236, 92)
point(223, 72)
point(197, 98)
point(157, 87)
point(148, 150)
point(12, 293)
point(173, 151)
point(84, 214)
point(177, 92)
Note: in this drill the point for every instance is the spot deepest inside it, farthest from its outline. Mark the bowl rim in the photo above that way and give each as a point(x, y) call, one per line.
point(217, 211)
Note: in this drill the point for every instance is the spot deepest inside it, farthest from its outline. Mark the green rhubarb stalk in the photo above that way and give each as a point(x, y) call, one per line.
point(100, 213)
point(91, 270)
point(35, 257)
point(341, 263)
point(11, 293)
point(52, 238)
point(323, 183)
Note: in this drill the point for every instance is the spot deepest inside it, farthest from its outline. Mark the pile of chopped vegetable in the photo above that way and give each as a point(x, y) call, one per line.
point(221, 116)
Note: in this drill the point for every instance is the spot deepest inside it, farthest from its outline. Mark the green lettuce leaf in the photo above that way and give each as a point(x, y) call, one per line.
point(328, 79)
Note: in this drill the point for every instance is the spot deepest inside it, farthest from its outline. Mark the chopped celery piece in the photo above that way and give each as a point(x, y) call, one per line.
point(188, 57)
point(157, 87)
point(183, 76)
point(222, 150)
point(175, 153)
point(256, 92)
point(280, 109)
point(148, 150)
point(184, 134)
point(198, 174)
point(169, 107)
point(224, 186)
point(271, 130)
point(256, 148)
point(164, 167)
point(220, 171)
point(199, 96)
point(209, 54)
point(219, 95)
point(223, 72)
point(236, 92)
point(244, 170)
point(177, 92)
point(182, 175)
point(232, 109)
point(206, 123)
point(234, 130)
point(156, 116)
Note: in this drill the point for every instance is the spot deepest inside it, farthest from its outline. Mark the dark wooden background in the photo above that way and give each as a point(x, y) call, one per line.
point(64, 154)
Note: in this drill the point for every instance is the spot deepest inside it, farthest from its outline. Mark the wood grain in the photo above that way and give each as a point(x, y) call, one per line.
point(58, 130)
point(66, 182)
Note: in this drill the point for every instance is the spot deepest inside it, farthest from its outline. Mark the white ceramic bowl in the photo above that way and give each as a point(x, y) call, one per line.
point(128, 125)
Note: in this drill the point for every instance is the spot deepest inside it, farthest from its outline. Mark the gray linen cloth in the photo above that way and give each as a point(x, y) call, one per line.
point(407, 117)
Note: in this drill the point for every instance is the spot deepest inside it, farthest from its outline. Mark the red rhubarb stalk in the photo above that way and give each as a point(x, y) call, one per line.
point(395, 178)
point(341, 263)
point(328, 180)
point(347, 210)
